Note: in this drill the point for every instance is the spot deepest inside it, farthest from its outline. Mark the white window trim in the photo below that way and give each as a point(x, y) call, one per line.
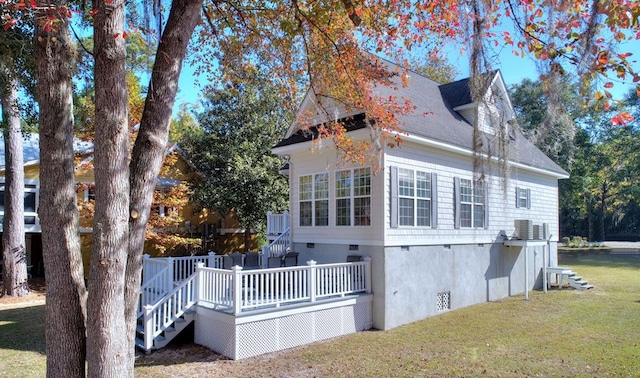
point(314, 200)
point(28, 227)
point(523, 194)
point(458, 204)
point(415, 198)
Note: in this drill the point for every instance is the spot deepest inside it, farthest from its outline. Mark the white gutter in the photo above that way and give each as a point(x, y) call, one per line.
point(468, 152)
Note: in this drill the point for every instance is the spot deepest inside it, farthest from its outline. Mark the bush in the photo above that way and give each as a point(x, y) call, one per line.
point(566, 240)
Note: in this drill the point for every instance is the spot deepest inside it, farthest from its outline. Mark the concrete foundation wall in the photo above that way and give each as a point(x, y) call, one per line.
point(406, 281)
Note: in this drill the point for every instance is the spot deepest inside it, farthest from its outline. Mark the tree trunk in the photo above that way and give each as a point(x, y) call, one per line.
point(150, 146)
point(603, 210)
point(66, 294)
point(14, 271)
point(107, 349)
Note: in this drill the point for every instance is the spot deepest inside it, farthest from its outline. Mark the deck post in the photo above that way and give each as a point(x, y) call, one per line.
point(148, 327)
point(198, 282)
point(145, 268)
point(237, 289)
point(211, 262)
point(312, 279)
point(170, 269)
point(367, 274)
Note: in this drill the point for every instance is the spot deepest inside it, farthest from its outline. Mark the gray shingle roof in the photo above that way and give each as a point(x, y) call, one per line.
point(435, 119)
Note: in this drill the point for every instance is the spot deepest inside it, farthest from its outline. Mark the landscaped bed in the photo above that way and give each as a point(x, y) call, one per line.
point(561, 333)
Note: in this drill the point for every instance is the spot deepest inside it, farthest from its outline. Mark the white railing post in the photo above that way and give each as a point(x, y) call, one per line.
point(145, 268)
point(285, 220)
point(198, 281)
point(265, 256)
point(312, 279)
point(270, 222)
point(237, 289)
point(211, 263)
point(367, 274)
point(170, 268)
point(148, 327)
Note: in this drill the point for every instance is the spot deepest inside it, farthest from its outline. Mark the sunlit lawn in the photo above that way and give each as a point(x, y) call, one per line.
point(561, 333)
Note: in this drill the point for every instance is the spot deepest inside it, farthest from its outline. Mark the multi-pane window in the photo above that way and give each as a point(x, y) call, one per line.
point(321, 196)
point(523, 198)
point(314, 199)
point(414, 198)
point(353, 197)
point(362, 197)
point(343, 198)
point(471, 204)
point(30, 203)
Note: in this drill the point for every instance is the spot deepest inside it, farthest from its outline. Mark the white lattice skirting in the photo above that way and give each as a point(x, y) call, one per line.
point(256, 333)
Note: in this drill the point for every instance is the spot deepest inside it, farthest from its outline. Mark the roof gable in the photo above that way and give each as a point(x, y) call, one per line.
point(436, 118)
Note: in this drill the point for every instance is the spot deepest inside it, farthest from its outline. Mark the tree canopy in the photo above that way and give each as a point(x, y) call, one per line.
point(232, 149)
point(329, 45)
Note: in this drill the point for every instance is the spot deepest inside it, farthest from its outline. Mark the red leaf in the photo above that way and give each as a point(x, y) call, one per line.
point(608, 85)
point(124, 34)
point(33, 3)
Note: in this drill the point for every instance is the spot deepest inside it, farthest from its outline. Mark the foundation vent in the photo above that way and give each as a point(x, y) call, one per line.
point(443, 301)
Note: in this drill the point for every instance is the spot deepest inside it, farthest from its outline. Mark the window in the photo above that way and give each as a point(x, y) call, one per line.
point(343, 198)
point(416, 194)
point(314, 199)
point(353, 197)
point(30, 203)
point(523, 198)
point(362, 197)
point(471, 204)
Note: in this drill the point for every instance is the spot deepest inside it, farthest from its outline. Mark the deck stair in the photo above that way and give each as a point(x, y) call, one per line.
point(167, 335)
point(161, 321)
point(572, 278)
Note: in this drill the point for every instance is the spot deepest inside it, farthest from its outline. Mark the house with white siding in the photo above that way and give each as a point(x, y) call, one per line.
point(438, 238)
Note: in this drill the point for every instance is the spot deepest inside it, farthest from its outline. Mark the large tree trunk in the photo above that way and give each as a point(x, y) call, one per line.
point(66, 294)
point(107, 349)
point(15, 257)
point(150, 146)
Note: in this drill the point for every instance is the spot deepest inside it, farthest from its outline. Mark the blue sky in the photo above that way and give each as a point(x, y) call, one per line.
point(514, 69)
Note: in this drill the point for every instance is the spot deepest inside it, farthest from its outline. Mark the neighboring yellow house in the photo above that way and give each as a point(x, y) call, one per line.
point(222, 235)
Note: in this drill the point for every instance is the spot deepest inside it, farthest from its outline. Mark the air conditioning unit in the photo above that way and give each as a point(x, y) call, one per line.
point(524, 229)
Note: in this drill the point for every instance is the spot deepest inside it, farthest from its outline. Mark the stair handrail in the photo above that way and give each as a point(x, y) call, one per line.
point(163, 313)
point(155, 287)
point(278, 246)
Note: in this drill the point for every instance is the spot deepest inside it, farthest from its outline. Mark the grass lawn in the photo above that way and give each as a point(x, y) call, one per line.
point(561, 333)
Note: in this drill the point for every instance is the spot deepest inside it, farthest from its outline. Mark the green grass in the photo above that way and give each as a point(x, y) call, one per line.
point(22, 345)
point(561, 333)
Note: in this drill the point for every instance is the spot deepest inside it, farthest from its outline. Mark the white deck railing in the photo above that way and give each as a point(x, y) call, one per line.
point(237, 290)
point(277, 223)
point(278, 247)
point(160, 275)
point(161, 315)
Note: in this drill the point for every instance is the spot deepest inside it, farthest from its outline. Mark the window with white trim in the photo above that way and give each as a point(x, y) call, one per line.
point(362, 196)
point(353, 197)
point(414, 198)
point(523, 198)
point(314, 199)
point(471, 204)
point(30, 203)
point(343, 198)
